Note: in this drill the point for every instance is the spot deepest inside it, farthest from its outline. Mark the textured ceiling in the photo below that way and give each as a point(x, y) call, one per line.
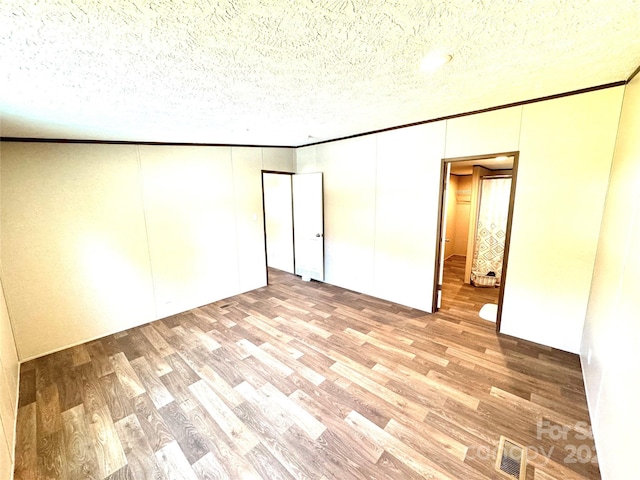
point(291, 72)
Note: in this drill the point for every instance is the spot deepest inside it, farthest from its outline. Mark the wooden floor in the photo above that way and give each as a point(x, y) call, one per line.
point(459, 298)
point(302, 380)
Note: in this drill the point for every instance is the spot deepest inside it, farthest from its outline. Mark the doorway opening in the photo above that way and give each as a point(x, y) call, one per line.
point(474, 230)
point(277, 207)
point(293, 210)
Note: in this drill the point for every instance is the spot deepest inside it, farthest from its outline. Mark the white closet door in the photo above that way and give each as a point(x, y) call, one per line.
point(308, 225)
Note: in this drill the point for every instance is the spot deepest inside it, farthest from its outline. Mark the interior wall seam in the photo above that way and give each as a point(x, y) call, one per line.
point(146, 232)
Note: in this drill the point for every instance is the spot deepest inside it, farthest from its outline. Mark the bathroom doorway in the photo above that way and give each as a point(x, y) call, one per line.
point(476, 207)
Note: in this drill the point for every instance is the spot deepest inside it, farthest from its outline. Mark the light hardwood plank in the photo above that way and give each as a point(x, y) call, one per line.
point(224, 417)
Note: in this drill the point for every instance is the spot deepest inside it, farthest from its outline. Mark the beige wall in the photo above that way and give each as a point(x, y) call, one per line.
point(610, 349)
point(457, 216)
point(349, 212)
point(9, 381)
point(547, 286)
point(274, 159)
point(99, 238)
point(406, 213)
point(486, 133)
point(556, 224)
point(381, 211)
point(74, 245)
point(190, 218)
point(9, 371)
point(158, 227)
point(452, 208)
point(460, 238)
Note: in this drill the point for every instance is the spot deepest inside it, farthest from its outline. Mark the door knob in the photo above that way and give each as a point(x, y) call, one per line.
point(318, 234)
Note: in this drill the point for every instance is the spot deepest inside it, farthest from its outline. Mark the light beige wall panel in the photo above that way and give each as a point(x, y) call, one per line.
point(609, 350)
point(74, 249)
point(616, 419)
point(451, 216)
point(8, 352)
point(247, 183)
point(462, 218)
point(488, 132)
point(190, 211)
point(9, 377)
point(6, 455)
point(462, 229)
point(349, 168)
point(566, 151)
point(278, 159)
point(306, 159)
point(8, 412)
point(406, 211)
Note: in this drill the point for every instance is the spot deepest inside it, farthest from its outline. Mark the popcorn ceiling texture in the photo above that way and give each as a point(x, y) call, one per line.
point(290, 72)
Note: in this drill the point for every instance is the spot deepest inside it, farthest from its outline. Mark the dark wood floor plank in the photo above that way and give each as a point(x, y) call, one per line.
point(179, 391)
point(117, 401)
point(27, 387)
point(82, 462)
point(155, 338)
point(80, 355)
point(70, 388)
point(93, 397)
point(108, 448)
point(129, 380)
point(100, 360)
point(158, 363)
point(225, 458)
point(52, 461)
point(156, 390)
point(26, 454)
point(190, 441)
point(140, 457)
point(157, 433)
point(48, 408)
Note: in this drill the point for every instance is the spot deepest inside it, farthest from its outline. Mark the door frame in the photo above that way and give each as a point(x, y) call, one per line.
point(441, 226)
point(264, 221)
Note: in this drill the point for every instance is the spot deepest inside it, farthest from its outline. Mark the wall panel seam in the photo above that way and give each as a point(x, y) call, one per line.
point(146, 231)
point(235, 216)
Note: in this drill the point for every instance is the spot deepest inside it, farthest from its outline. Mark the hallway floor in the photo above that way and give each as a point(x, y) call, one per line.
point(459, 298)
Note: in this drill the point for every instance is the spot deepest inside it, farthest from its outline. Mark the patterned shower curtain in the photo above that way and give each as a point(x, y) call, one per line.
point(491, 231)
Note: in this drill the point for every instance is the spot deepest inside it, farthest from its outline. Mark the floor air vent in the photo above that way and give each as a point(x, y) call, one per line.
point(227, 305)
point(512, 459)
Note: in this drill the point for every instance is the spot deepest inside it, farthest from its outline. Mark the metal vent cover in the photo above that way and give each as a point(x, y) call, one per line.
point(228, 305)
point(512, 459)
